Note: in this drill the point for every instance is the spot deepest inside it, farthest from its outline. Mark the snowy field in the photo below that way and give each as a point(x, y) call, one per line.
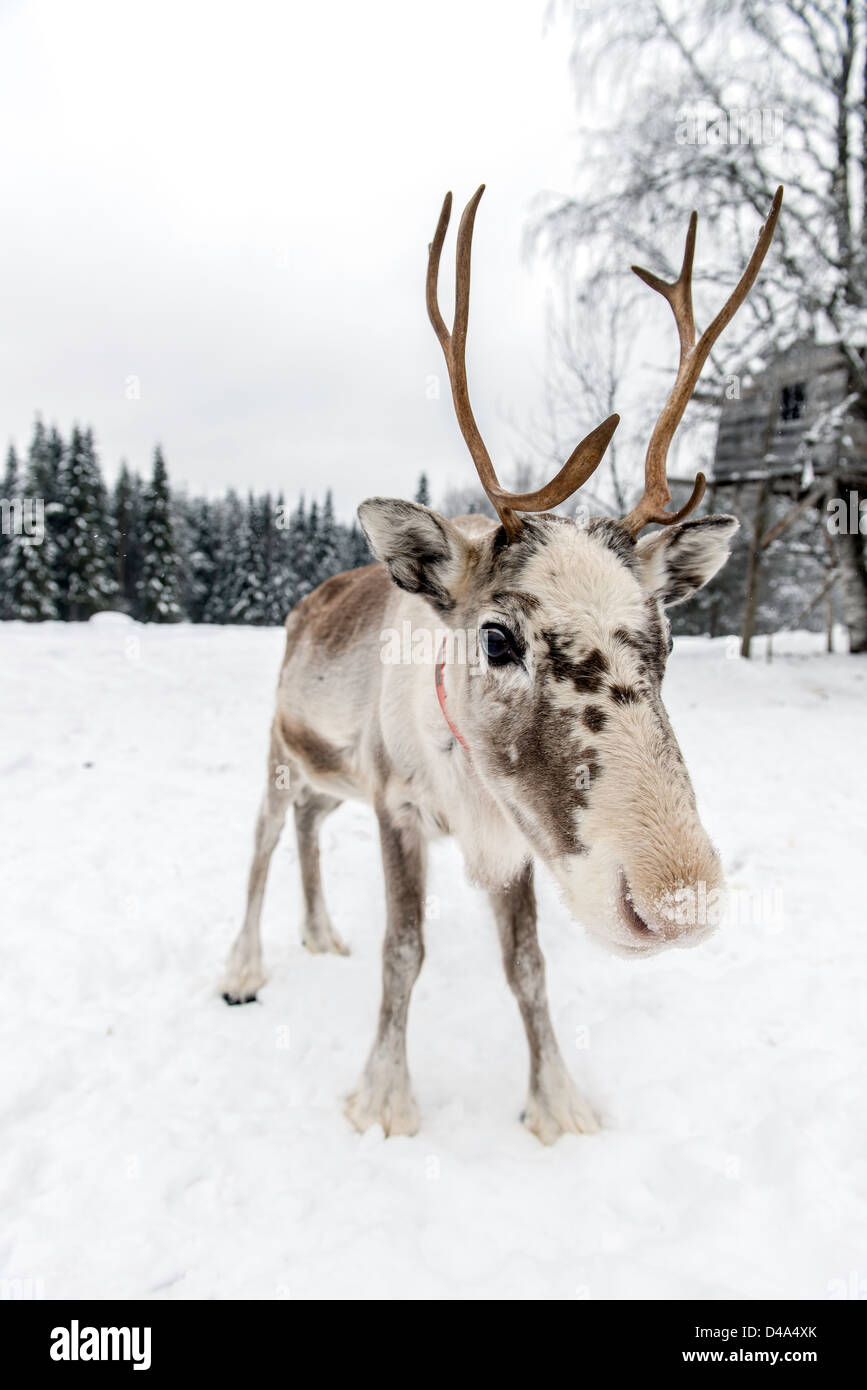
point(159, 1144)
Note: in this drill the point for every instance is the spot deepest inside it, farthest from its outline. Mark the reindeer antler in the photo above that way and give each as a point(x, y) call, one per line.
point(693, 356)
point(584, 458)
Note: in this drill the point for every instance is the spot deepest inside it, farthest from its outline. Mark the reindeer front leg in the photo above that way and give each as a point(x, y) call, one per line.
point(554, 1106)
point(384, 1095)
point(245, 973)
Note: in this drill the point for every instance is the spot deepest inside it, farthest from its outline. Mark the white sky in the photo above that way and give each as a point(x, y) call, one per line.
point(232, 202)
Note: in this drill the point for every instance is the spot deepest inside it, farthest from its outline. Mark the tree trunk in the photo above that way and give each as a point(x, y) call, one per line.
point(853, 582)
point(751, 599)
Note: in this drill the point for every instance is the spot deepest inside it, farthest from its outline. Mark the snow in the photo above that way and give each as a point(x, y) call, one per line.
point(160, 1144)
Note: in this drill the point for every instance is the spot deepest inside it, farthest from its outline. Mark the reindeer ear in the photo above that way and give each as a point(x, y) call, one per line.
point(425, 554)
point(677, 561)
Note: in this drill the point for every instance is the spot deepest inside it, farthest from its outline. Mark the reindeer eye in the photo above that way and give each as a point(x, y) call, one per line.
point(498, 644)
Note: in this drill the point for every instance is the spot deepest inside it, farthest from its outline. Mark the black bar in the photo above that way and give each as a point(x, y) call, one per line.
point(236, 1338)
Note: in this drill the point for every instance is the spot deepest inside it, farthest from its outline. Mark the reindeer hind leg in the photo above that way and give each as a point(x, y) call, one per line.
point(317, 932)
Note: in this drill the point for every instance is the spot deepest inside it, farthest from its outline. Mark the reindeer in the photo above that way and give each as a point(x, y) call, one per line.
point(554, 744)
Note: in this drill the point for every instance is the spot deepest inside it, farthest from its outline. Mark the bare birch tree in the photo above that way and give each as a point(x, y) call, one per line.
point(711, 104)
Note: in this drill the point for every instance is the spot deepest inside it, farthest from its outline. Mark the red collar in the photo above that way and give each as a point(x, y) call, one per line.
point(439, 677)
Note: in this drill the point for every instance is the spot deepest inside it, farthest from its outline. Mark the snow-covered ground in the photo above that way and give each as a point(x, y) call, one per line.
point(157, 1143)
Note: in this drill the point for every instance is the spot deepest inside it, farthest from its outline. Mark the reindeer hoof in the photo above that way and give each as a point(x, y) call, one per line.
point(319, 937)
point(241, 983)
point(320, 945)
point(557, 1108)
point(394, 1109)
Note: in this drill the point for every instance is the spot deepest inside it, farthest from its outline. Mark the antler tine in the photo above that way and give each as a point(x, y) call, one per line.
point(679, 292)
point(585, 457)
point(454, 346)
point(656, 497)
point(433, 271)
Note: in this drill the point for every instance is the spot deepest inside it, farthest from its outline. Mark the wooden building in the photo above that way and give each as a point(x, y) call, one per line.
point(800, 413)
point(797, 431)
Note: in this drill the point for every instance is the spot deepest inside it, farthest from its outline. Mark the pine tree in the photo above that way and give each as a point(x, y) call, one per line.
point(311, 549)
point(158, 584)
point(282, 580)
point(422, 492)
point(85, 564)
point(228, 519)
point(128, 515)
point(356, 551)
point(45, 461)
point(202, 563)
point(184, 534)
point(55, 451)
point(326, 545)
point(9, 491)
point(9, 484)
point(268, 540)
point(299, 546)
point(49, 458)
point(29, 564)
point(30, 586)
point(250, 598)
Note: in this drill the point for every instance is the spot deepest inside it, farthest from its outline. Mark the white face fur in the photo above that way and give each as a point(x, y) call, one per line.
point(564, 718)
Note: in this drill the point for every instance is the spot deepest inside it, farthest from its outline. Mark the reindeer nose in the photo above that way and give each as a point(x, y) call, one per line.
point(630, 914)
point(688, 911)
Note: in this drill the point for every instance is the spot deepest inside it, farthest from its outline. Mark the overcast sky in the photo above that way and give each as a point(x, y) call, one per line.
point(230, 204)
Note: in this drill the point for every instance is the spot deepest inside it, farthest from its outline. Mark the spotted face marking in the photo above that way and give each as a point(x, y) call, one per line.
point(649, 642)
point(585, 674)
point(588, 642)
point(546, 740)
point(612, 534)
point(562, 713)
point(625, 694)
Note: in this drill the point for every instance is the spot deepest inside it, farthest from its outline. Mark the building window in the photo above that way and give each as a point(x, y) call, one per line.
point(792, 401)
